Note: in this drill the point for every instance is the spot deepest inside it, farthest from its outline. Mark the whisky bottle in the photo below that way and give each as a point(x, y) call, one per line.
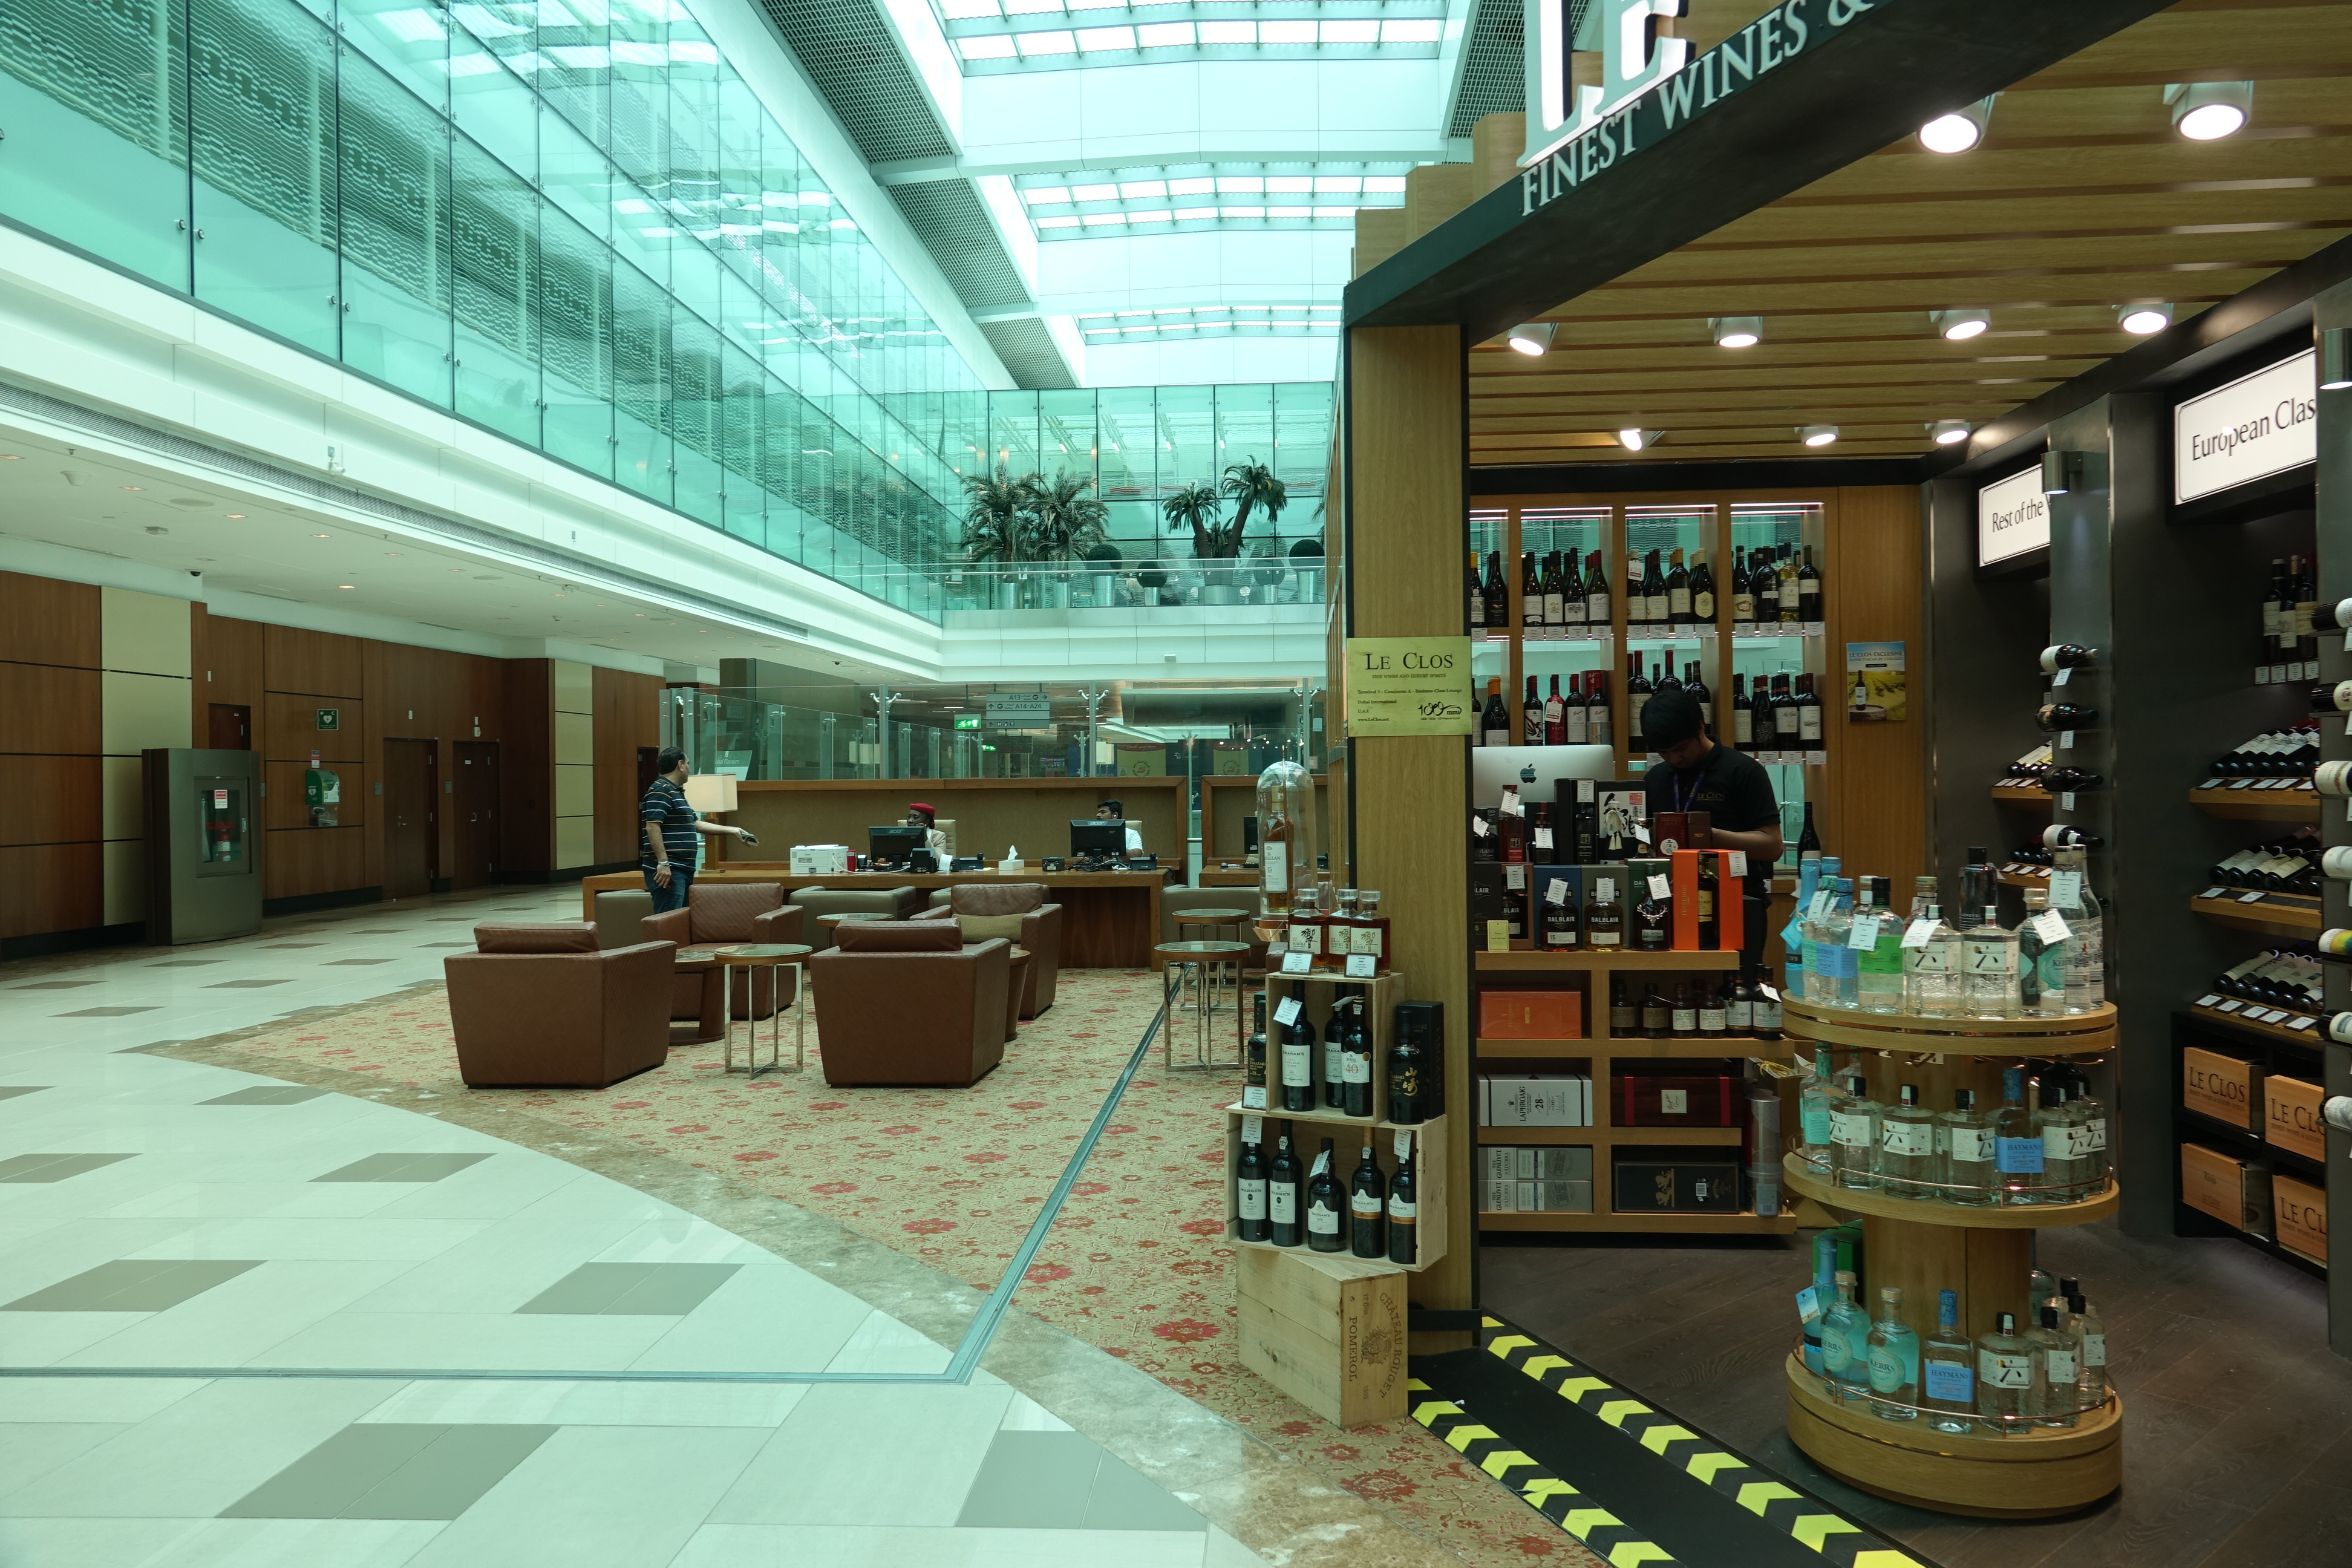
point(1709, 927)
point(1323, 1204)
point(1626, 1018)
point(1604, 917)
point(1367, 1202)
point(1249, 1194)
point(1559, 923)
point(1657, 1015)
point(1739, 1007)
point(1713, 1017)
point(1404, 1214)
point(1768, 1009)
point(1682, 1013)
point(1653, 923)
point(1282, 1195)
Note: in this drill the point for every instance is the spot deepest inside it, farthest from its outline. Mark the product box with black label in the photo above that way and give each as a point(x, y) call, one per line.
point(2222, 1087)
point(1489, 900)
point(1676, 830)
point(1677, 1186)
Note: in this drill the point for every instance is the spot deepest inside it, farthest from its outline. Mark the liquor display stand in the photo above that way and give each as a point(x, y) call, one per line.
point(1982, 1253)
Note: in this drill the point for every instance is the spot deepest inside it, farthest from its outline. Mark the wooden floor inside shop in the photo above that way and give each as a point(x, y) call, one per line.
point(2238, 1436)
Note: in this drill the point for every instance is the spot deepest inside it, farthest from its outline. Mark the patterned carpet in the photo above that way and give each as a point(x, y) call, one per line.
point(1136, 1265)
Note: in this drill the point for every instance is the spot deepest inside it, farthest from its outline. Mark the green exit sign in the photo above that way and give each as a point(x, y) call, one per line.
point(967, 721)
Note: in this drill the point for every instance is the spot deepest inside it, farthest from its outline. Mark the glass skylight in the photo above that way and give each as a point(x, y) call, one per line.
point(1210, 320)
point(1015, 35)
point(1089, 203)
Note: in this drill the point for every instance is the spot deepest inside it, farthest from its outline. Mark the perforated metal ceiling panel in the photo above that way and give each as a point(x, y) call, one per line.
point(1493, 63)
point(955, 227)
point(1028, 351)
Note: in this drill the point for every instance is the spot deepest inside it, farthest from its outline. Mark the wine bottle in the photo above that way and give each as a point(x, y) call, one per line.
point(1678, 592)
point(2069, 781)
point(1298, 1065)
point(1555, 717)
point(1367, 1202)
point(1555, 596)
point(1532, 615)
point(2278, 604)
point(1743, 717)
point(1404, 1214)
point(1791, 591)
point(2067, 656)
point(1659, 604)
point(1743, 597)
point(1808, 589)
point(1249, 1194)
point(2056, 717)
point(1596, 708)
point(2070, 838)
point(1637, 596)
point(1696, 687)
point(1637, 691)
point(1356, 1061)
point(1323, 1205)
point(2305, 609)
point(1532, 716)
point(1596, 591)
point(1664, 679)
point(1575, 721)
point(1282, 1195)
point(1495, 722)
point(1702, 589)
point(1253, 1054)
point(1477, 599)
point(1335, 1067)
point(1808, 840)
point(1764, 583)
point(1809, 713)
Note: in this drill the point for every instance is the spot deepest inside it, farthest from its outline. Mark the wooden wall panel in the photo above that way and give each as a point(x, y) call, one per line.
point(291, 731)
point(1873, 811)
point(51, 799)
point(286, 805)
point(526, 768)
point(51, 888)
point(48, 710)
point(300, 862)
point(229, 662)
point(317, 664)
point(627, 716)
point(44, 621)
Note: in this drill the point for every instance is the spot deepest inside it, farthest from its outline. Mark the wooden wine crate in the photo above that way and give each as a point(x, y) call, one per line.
point(2218, 1086)
point(1317, 995)
point(2291, 1118)
point(2300, 1210)
point(2213, 1182)
point(1348, 1136)
point(1328, 1331)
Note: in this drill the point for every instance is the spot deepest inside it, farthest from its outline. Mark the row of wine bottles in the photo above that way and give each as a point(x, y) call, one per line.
point(1557, 593)
point(2283, 976)
point(1374, 1216)
point(1563, 596)
point(2288, 865)
point(2289, 604)
point(2290, 752)
point(1415, 1074)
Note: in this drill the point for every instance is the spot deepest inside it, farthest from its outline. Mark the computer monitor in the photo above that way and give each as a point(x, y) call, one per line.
point(893, 845)
point(1098, 838)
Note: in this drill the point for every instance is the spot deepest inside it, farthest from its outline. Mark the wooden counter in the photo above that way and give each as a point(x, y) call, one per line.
point(1110, 919)
point(990, 815)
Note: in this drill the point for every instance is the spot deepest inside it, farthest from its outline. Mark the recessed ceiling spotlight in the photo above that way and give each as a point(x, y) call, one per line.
point(1949, 431)
point(318, 536)
point(2208, 111)
point(1817, 435)
point(1636, 440)
point(346, 586)
point(393, 554)
point(134, 487)
point(234, 516)
point(1959, 130)
point(1533, 338)
point(1737, 331)
point(1959, 326)
point(2142, 319)
point(11, 457)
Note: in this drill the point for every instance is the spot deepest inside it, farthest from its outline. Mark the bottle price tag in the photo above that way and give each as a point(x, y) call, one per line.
point(1543, 837)
point(1287, 1011)
point(1323, 1164)
point(1919, 932)
point(1298, 964)
point(1556, 891)
point(1478, 828)
point(2209, 999)
point(1253, 1129)
point(1809, 1305)
point(1514, 876)
point(2065, 740)
point(1584, 795)
point(1641, 832)
point(1363, 966)
point(2068, 800)
point(1819, 906)
point(1510, 807)
point(1817, 758)
point(1403, 1145)
point(2253, 898)
point(1254, 1097)
point(1658, 888)
point(2063, 676)
point(1863, 933)
point(2230, 1007)
point(2301, 1023)
point(1739, 862)
point(2050, 927)
point(1764, 989)
point(1499, 936)
point(2066, 889)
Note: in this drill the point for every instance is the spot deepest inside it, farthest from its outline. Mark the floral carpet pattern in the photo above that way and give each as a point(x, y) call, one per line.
point(1137, 1264)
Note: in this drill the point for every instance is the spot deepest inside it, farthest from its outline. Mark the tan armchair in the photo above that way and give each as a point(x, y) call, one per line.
point(910, 1002)
point(542, 1005)
point(720, 912)
point(893, 903)
point(1019, 913)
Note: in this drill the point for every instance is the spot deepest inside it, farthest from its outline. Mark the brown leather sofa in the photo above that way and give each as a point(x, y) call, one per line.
point(541, 1003)
point(1019, 913)
point(729, 912)
point(910, 1002)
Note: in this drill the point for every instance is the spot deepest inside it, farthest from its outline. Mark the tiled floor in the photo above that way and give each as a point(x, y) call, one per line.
point(157, 1214)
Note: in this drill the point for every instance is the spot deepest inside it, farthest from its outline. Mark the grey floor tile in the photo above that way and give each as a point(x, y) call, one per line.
point(133, 1285)
point(402, 1168)
point(446, 945)
point(392, 1470)
point(266, 1094)
point(337, 962)
point(106, 1012)
point(283, 946)
point(1033, 1480)
point(31, 1168)
point(642, 1290)
point(1126, 1501)
point(10, 1090)
point(53, 985)
point(185, 962)
point(379, 931)
point(247, 984)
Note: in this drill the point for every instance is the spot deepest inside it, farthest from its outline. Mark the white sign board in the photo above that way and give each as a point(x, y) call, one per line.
point(1019, 710)
point(2257, 426)
point(2012, 517)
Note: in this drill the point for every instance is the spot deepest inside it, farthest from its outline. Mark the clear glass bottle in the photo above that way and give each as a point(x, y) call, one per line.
point(2057, 1394)
point(2004, 1378)
point(1845, 1341)
point(1931, 972)
point(2041, 963)
point(1907, 1146)
point(2017, 1149)
point(1893, 1353)
point(1286, 842)
point(1947, 1381)
point(1988, 967)
point(2054, 1121)
point(1854, 1131)
point(1964, 1139)
point(2090, 1335)
point(1879, 985)
point(2087, 975)
point(1815, 1098)
point(2090, 1132)
point(2041, 1289)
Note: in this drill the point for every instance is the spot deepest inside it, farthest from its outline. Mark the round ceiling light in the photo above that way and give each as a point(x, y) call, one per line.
point(2141, 319)
point(2208, 111)
point(1959, 326)
point(1959, 130)
point(1817, 435)
point(1737, 332)
point(1532, 338)
point(1947, 432)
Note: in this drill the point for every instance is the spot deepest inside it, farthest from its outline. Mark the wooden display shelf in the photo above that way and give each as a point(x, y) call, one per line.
point(1802, 1178)
point(1631, 1048)
point(2247, 1144)
point(2035, 1473)
point(1509, 1137)
point(2038, 1035)
point(2310, 1039)
point(2271, 915)
point(1317, 1000)
point(1649, 1220)
point(1429, 1170)
point(1592, 958)
point(2251, 805)
point(2024, 799)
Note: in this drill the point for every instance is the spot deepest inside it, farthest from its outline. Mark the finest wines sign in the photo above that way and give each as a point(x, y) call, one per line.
point(1409, 686)
point(2257, 426)
point(2012, 517)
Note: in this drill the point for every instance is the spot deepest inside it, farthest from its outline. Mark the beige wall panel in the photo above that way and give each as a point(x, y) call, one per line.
point(575, 841)
point(144, 633)
point(125, 875)
point(121, 814)
point(141, 711)
point(575, 792)
point(576, 686)
point(575, 737)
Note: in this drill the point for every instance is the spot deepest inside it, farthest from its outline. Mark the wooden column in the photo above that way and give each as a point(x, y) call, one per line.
point(1407, 510)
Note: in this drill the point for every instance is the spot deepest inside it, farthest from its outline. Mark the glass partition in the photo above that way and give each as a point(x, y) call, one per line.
point(1774, 660)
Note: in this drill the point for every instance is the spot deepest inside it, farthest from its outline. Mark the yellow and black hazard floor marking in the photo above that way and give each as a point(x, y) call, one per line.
point(1604, 1532)
point(1560, 1434)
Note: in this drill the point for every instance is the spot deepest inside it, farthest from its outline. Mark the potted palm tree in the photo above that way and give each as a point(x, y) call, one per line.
point(1103, 562)
point(1062, 522)
point(996, 507)
point(1252, 487)
point(1307, 564)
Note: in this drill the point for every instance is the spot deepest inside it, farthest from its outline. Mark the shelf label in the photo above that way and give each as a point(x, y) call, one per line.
point(2302, 1023)
point(1863, 934)
point(1738, 863)
point(1514, 876)
point(2230, 1007)
point(2063, 676)
point(1287, 1011)
point(1363, 966)
point(1658, 888)
point(1919, 931)
point(2068, 800)
point(1298, 964)
point(1403, 1145)
point(2253, 897)
point(2050, 927)
point(2208, 998)
point(1254, 1126)
point(2212, 892)
point(2067, 740)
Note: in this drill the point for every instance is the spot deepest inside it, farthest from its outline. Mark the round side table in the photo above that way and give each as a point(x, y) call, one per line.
point(790, 955)
point(1202, 966)
point(1216, 925)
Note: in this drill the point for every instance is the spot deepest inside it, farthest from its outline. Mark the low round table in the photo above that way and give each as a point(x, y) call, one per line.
point(752, 955)
point(703, 962)
point(1013, 1000)
point(1200, 964)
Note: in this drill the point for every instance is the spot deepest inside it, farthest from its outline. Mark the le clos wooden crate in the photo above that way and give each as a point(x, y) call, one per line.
point(2301, 1210)
point(2292, 1119)
point(1329, 1332)
point(2218, 1086)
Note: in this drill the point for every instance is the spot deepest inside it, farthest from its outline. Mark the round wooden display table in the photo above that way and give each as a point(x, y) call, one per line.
point(1927, 1246)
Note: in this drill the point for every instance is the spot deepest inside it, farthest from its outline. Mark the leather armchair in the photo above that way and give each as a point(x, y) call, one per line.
point(896, 903)
point(910, 1002)
point(543, 1005)
point(730, 912)
point(985, 909)
point(620, 915)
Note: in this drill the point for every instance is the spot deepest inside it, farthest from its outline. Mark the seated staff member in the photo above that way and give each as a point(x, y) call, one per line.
point(1111, 811)
point(1729, 786)
point(671, 825)
point(927, 817)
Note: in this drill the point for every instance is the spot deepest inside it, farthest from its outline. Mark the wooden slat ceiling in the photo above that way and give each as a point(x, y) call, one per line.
point(2081, 198)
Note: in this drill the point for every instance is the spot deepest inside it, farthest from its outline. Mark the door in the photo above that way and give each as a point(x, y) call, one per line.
point(410, 826)
point(476, 805)
point(231, 729)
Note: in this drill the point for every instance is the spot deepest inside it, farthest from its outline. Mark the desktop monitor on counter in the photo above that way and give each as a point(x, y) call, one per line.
point(893, 847)
point(1098, 837)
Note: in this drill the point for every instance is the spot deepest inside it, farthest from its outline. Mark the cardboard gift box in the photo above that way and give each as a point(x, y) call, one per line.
point(1531, 1015)
point(1730, 903)
point(1677, 1186)
point(1678, 1100)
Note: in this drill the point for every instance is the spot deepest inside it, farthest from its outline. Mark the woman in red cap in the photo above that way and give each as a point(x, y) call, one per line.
point(927, 817)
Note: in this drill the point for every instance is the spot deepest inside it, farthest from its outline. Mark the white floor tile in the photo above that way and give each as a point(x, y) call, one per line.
point(594, 1404)
point(31, 1450)
point(239, 1319)
point(682, 1241)
point(500, 1267)
point(854, 1453)
point(299, 1543)
point(124, 1399)
point(350, 1237)
point(499, 1342)
point(91, 1542)
point(761, 1319)
point(883, 1343)
point(895, 1546)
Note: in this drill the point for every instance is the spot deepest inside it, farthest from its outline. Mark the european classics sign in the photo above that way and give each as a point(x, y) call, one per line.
point(2257, 426)
point(2012, 517)
point(1649, 85)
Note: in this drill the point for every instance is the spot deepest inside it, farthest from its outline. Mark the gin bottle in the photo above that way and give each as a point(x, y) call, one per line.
point(1931, 972)
point(1845, 1341)
point(2057, 1372)
point(1907, 1146)
point(2054, 1121)
point(2090, 1335)
point(2017, 1146)
point(1814, 1102)
point(1988, 967)
point(2086, 980)
point(2004, 1377)
point(1894, 1359)
point(1879, 988)
point(1836, 951)
point(1854, 1131)
point(2041, 963)
point(1948, 1372)
point(1792, 935)
point(1964, 1139)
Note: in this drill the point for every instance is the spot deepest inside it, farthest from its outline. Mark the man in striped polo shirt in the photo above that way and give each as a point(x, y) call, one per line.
point(671, 825)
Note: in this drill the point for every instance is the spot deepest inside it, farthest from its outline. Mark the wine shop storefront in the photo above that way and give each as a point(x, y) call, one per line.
point(1953, 399)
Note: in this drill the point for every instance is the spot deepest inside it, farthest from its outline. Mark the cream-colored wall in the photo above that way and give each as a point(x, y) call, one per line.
point(144, 699)
point(574, 745)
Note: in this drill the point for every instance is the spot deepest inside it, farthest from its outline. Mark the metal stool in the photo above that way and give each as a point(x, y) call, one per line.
point(1199, 964)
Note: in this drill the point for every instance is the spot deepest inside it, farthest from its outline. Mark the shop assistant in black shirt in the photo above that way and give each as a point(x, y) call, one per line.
point(1729, 786)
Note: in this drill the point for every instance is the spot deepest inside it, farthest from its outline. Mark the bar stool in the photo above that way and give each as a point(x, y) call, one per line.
point(1202, 966)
